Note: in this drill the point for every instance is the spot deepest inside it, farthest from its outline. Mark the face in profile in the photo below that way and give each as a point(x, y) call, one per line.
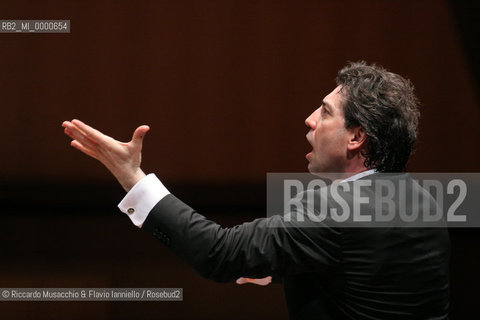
point(328, 136)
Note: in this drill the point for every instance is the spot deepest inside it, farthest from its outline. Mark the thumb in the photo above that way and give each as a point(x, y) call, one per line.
point(139, 134)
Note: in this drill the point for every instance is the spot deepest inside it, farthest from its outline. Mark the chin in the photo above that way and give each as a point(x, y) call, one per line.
point(312, 169)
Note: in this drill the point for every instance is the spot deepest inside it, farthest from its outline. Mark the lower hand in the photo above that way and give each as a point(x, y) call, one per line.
point(260, 282)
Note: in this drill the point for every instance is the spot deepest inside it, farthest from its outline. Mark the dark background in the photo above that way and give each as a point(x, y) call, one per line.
point(225, 87)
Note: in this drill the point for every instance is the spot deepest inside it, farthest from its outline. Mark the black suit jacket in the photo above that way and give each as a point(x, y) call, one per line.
point(328, 272)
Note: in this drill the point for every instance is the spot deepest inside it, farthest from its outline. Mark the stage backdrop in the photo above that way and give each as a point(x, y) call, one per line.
point(224, 85)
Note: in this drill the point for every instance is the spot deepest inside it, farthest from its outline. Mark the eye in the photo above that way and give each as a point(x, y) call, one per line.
point(324, 110)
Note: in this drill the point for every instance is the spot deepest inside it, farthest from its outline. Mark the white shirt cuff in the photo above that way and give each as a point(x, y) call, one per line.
point(141, 199)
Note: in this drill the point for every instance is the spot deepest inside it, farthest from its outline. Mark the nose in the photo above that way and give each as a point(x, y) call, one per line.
point(310, 121)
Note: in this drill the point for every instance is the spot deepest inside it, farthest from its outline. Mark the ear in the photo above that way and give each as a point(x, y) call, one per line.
point(357, 139)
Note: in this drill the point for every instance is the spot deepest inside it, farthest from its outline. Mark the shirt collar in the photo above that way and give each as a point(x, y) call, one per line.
point(360, 175)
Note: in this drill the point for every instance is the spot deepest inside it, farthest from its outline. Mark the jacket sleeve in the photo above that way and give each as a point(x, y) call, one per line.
point(263, 247)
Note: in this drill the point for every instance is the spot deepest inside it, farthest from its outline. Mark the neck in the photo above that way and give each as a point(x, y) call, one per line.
point(355, 168)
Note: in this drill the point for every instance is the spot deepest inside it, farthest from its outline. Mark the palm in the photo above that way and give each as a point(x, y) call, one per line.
point(123, 159)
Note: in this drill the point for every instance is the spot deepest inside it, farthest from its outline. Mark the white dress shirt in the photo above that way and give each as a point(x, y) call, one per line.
point(147, 192)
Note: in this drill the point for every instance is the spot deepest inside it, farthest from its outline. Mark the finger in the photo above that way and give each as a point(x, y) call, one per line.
point(245, 280)
point(90, 133)
point(71, 127)
point(139, 134)
point(73, 132)
point(242, 280)
point(82, 148)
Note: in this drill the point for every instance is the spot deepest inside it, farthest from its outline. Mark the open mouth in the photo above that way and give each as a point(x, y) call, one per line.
point(309, 155)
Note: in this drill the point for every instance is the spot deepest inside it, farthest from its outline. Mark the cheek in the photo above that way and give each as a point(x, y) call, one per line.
point(317, 139)
point(323, 135)
point(330, 138)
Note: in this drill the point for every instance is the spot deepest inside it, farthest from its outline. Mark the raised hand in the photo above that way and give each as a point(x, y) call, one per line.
point(122, 159)
point(261, 282)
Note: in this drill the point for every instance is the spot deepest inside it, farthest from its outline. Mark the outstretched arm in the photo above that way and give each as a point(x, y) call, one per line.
point(122, 159)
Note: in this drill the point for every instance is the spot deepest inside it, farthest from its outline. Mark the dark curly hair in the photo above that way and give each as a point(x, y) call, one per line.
point(385, 106)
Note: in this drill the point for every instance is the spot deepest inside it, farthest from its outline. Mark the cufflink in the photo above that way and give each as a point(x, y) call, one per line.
point(130, 210)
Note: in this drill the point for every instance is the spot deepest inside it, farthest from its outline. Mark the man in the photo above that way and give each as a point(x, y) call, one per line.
point(368, 123)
